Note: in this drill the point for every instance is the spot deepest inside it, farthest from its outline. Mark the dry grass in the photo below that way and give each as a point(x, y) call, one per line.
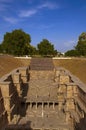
point(75, 66)
point(8, 63)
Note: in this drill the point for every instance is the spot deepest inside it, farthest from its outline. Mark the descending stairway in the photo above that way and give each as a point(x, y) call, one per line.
point(41, 64)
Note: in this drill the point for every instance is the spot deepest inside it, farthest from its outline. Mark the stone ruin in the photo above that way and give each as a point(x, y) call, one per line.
point(41, 96)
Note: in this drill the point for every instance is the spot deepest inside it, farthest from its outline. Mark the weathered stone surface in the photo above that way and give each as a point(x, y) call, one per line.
point(41, 64)
point(43, 97)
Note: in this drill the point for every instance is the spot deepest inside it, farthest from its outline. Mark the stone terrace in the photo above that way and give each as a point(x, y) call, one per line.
point(48, 98)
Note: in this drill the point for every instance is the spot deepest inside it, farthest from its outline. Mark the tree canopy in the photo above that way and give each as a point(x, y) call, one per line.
point(71, 53)
point(81, 45)
point(45, 48)
point(80, 48)
point(16, 43)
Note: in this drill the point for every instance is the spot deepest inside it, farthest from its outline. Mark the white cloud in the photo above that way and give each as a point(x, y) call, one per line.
point(70, 43)
point(4, 4)
point(27, 13)
point(3, 7)
point(11, 20)
point(48, 5)
point(30, 12)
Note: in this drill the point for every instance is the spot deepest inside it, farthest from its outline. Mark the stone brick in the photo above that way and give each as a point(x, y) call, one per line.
point(23, 71)
point(16, 77)
point(64, 79)
point(6, 88)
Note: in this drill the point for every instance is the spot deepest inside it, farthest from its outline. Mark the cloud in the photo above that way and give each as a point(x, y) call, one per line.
point(3, 7)
point(27, 13)
point(70, 43)
point(48, 5)
point(4, 4)
point(11, 20)
point(30, 12)
point(5, 1)
point(1, 37)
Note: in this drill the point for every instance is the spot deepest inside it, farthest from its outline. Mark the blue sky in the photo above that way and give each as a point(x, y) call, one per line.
point(59, 21)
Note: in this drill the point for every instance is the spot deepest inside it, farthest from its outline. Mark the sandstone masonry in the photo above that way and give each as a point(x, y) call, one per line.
point(42, 99)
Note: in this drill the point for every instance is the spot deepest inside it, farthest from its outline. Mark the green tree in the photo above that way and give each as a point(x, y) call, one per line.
point(1, 49)
point(16, 43)
point(45, 48)
point(81, 45)
point(71, 53)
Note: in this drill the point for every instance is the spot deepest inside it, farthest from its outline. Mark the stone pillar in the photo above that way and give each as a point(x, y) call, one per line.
point(67, 116)
point(60, 106)
point(7, 91)
point(3, 113)
point(36, 105)
point(64, 79)
point(42, 105)
point(6, 88)
point(57, 73)
point(48, 105)
point(16, 77)
point(17, 82)
point(70, 92)
point(24, 74)
point(42, 111)
point(75, 89)
point(70, 105)
point(53, 105)
point(30, 105)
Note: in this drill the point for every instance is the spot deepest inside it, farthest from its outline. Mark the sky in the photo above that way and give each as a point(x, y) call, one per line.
point(59, 21)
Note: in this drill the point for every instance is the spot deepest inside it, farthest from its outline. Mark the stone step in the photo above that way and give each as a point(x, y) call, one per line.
point(41, 64)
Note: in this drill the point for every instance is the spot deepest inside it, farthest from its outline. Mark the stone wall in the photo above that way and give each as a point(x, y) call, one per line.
point(69, 92)
point(48, 74)
point(3, 113)
point(75, 97)
point(11, 89)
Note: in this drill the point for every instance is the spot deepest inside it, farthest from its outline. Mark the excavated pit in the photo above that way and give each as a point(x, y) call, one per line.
point(42, 97)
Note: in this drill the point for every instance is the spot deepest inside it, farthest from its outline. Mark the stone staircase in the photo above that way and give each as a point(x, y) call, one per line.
point(41, 64)
point(41, 68)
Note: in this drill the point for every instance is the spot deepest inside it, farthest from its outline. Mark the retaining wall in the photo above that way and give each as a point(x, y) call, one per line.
point(71, 94)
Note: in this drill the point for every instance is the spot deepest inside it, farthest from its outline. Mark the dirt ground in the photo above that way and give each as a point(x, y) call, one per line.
point(75, 66)
point(8, 63)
